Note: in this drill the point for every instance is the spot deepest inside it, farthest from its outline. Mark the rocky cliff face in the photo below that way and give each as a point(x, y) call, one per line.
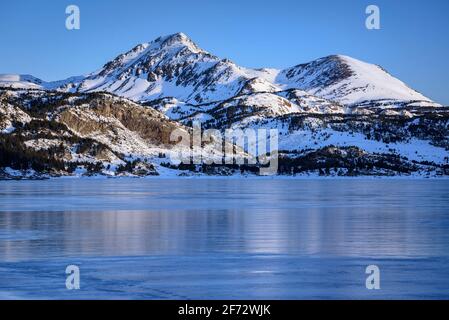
point(58, 134)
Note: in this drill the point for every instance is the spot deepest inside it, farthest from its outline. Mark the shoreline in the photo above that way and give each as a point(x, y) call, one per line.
point(232, 177)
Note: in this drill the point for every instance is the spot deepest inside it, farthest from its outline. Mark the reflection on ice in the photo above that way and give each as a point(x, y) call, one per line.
point(224, 238)
point(362, 232)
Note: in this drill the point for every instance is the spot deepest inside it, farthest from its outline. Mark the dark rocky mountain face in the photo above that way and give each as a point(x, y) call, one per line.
point(320, 73)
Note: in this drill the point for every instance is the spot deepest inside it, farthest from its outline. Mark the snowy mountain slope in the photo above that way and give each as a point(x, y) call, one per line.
point(350, 82)
point(314, 132)
point(255, 105)
point(310, 103)
point(21, 81)
point(9, 115)
point(171, 66)
point(29, 82)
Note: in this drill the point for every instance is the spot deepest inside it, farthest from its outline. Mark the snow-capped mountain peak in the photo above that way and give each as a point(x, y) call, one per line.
point(350, 82)
point(174, 43)
point(168, 66)
point(179, 39)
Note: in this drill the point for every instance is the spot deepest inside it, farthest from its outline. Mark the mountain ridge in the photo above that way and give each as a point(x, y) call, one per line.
point(335, 116)
point(174, 66)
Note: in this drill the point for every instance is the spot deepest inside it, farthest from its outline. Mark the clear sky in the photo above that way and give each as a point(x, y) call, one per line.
point(413, 43)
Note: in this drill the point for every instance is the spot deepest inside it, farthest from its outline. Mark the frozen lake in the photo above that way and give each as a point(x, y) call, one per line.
point(224, 238)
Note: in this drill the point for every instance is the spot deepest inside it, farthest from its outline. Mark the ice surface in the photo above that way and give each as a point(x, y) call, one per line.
point(224, 238)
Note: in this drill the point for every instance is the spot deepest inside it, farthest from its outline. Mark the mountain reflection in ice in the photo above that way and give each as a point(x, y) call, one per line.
point(221, 218)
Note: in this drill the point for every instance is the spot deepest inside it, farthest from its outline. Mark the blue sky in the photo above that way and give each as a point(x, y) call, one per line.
point(413, 43)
